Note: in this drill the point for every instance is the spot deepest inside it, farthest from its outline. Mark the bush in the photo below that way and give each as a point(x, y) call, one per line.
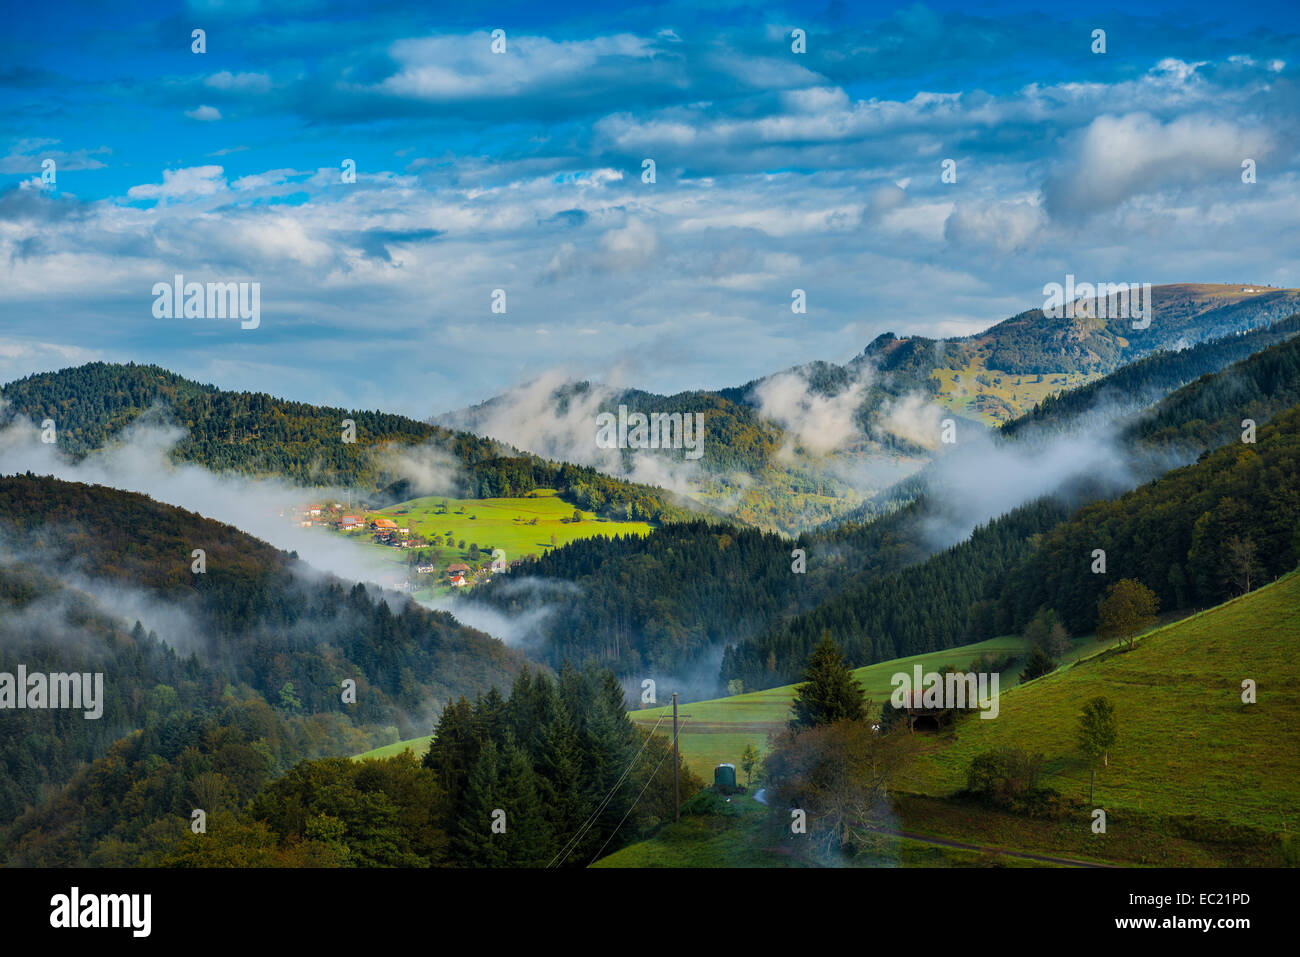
point(710, 803)
point(1004, 776)
point(1039, 664)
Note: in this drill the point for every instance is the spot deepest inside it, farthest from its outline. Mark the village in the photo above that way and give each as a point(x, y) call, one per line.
point(425, 560)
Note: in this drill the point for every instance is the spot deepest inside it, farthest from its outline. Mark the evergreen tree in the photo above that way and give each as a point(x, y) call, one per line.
point(474, 841)
point(1039, 664)
point(829, 691)
point(454, 749)
point(559, 772)
point(527, 840)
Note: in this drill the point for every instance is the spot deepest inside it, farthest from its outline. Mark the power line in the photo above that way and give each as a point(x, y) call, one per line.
point(573, 841)
point(647, 784)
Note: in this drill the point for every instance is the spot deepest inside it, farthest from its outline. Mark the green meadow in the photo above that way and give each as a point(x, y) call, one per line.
point(417, 746)
point(747, 837)
point(1187, 744)
point(718, 731)
point(505, 523)
point(524, 526)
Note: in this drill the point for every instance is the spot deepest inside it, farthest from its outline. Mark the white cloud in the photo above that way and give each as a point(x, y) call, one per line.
point(178, 183)
point(1118, 157)
point(446, 68)
point(1004, 226)
point(813, 421)
point(204, 114)
point(239, 82)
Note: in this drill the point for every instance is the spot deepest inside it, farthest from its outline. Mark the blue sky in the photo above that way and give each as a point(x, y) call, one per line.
point(475, 171)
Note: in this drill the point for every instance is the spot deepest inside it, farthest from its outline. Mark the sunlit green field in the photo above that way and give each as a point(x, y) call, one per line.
point(1187, 744)
point(490, 523)
point(504, 523)
point(718, 731)
point(417, 746)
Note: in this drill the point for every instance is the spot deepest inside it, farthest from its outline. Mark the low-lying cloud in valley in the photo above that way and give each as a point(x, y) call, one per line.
point(138, 461)
point(814, 421)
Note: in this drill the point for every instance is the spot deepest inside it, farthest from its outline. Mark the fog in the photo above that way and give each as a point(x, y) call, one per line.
point(138, 461)
point(547, 417)
point(812, 420)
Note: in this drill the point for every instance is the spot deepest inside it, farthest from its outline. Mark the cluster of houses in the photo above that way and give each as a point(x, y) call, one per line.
point(387, 532)
point(330, 515)
point(460, 575)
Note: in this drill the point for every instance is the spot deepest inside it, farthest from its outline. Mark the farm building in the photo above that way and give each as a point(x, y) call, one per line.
point(384, 525)
point(458, 581)
point(920, 717)
point(459, 568)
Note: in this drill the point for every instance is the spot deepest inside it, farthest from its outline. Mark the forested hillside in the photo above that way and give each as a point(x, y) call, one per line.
point(1212, 411)
point(256, 613)
point(661, 602)
point(1195, 537)
point(258, 434)
point(923, 608)
point(252, 628)
point(1200, 416)
point(1139, 384)
point(671, 600)
point(551, 754)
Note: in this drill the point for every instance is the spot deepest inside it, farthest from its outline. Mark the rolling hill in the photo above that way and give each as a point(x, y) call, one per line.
point(224, 661)
point(768, 460)
point(1188, 745)
point(1196, 776)
point(391, 459)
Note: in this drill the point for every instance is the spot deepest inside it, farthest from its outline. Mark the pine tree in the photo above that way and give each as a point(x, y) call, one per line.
point(1039, 664)
point(560, 777)
point(475, 844)
point(454, 749)
point(829, 691)
point(528, 834)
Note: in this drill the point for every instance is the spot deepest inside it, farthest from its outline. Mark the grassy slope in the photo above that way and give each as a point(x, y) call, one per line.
point(1187, 744)
point(493, 523)
point(749, 839)
point(717, 731)
point(503, 522)
point(1005, 396)
point(1188, 748)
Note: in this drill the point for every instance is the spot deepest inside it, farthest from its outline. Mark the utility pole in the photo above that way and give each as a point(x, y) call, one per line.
point(677, 797)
